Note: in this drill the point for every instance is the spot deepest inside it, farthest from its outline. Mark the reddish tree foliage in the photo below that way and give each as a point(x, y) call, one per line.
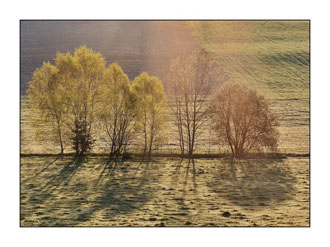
point(243, 120)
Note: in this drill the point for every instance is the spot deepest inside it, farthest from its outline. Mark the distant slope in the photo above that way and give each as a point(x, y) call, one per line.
point(136, 45)
point(272, 56)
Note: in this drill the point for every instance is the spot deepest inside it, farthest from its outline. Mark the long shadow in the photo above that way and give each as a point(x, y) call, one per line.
point(120, 191)
point(108, 170)
point(185, 173)
point(184, 185)
point(35, 199)
point(194, 174)
point(117, 190)
point(41, 171)
point(178, 166)
point(253, 183)
point(64, 175)
point(191, 162)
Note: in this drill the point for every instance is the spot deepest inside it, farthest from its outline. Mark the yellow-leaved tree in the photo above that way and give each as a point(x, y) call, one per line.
point(79, 92)
point(117, 109)
point(152, 109)
point(80, 77)
point(46, 103)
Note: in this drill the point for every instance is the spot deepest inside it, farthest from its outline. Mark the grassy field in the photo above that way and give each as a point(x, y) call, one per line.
point(164, 192)
point(272, 57)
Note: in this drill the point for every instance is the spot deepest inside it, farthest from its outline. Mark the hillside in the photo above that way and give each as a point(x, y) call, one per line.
point(272, 56)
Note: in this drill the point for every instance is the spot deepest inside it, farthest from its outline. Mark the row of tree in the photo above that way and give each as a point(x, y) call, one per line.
point(79, 96)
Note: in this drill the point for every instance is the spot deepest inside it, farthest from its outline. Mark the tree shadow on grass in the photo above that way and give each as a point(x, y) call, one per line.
point(64, 175)
point(40, 198)
point(119, 190)
point(190, 166)
point(109, 169)
point(253, 184)
point(184, 188)
point(45, 191)
point(185, 171)
point(41, 171)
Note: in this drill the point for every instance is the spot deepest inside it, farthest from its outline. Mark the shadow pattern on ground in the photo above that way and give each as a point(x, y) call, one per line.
point(95, 191)
point(71, 197)
point(120, 191)
point(253, 184)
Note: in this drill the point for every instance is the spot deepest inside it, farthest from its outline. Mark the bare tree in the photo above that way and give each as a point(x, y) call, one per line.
point(191, 80)
point(243, 120)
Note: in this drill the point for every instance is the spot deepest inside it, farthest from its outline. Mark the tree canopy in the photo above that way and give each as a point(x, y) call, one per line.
point(191, 80)
point(79, 95)
point(117, 108)
point(243, 120)
point(80, 76)
point(152, 109)
point(46, 102)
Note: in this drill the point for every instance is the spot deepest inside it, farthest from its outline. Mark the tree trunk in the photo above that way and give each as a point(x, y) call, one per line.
point(60, 134)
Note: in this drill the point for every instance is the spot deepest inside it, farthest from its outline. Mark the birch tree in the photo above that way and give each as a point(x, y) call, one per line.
point(152, 109)
point(117, 109)
point(80, 76)
point(191, 81)
point(46, 103)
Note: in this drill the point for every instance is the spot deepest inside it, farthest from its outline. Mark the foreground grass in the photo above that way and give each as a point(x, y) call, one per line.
point(91, 191)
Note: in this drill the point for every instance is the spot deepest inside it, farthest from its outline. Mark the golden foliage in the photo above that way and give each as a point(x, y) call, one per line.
point(152, 109)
